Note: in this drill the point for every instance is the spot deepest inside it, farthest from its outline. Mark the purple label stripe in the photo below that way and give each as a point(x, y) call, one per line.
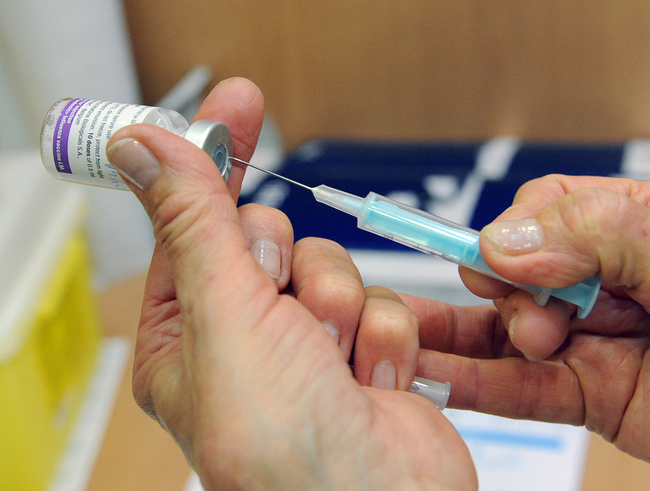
point(62, 133)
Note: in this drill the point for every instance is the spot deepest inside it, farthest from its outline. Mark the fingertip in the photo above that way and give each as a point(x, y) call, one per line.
point(146, 155)
point(483, 286)
point(536, 331)
point(269, 236)
point(387, 345)
point(239, 104)
point(328, 283)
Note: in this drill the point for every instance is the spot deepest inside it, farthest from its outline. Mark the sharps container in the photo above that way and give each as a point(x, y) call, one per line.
point(49, 329)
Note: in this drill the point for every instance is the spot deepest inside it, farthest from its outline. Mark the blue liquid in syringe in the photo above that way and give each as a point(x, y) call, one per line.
point(451, 242)
point(455, 243)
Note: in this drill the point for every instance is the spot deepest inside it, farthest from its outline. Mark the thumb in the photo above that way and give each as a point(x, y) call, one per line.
point(194, 215)
point(589, 231)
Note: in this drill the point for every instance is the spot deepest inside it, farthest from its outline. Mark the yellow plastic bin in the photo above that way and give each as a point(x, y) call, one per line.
point(49, 329)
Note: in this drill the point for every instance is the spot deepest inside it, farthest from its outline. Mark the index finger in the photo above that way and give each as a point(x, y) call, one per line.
point(476, 332)
point(239, 104)
point(327, 282)
point(469, 347)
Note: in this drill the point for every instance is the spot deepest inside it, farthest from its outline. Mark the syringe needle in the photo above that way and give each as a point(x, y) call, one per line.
point(340, 200)
point(271, 173)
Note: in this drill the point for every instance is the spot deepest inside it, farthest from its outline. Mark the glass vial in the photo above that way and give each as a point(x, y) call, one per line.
point(75, 133)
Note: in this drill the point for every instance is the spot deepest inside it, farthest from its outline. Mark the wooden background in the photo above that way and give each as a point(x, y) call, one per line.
point(450, 69)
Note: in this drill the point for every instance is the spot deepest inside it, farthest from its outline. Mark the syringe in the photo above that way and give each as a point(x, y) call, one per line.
point(435, 235)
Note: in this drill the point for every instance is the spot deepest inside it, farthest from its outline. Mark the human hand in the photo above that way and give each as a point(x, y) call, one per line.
point(526, 361)
point(248, 381)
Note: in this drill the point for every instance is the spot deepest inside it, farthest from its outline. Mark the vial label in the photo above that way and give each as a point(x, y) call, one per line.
point(80, 135)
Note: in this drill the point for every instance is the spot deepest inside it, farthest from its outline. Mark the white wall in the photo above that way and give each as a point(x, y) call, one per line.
point(13, 133)
point(50, 50)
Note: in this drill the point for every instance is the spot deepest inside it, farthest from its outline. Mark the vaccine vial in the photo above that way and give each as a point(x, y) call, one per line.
point(75, 133)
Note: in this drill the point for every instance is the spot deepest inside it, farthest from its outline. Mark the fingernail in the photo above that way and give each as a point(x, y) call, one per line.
point(267, 253)
point(511, 327)
point(384, 376)
point(332, 330)
point(516, 237)
point(134, 162)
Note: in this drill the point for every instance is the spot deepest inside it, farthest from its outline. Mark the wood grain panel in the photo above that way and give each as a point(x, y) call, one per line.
point(545, 70)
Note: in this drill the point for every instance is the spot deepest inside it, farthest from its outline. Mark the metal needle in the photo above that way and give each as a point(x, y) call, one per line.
point(270, 173)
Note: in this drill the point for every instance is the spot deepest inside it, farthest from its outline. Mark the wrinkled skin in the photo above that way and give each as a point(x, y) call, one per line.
point(247, 366)
point(546, 364)
point(237, 364)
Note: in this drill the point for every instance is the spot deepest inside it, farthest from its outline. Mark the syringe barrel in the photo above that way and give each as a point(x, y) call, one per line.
point(456, 243)
point(423, 231)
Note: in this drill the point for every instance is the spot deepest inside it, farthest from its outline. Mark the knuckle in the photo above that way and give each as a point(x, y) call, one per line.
point(324, 268)
point(595, 212)
point(387, 317)
point(180, 220)
point(582, 212)
point(609, 229)
point(328, 288)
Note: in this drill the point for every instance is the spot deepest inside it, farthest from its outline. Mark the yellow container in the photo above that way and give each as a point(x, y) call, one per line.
point(49, 330)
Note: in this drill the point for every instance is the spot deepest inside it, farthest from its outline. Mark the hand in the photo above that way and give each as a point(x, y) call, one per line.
point(525, 361)
point(248, 381)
